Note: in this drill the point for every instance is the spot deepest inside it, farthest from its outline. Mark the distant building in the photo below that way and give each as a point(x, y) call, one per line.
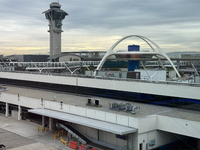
point(191, 56)
point(65, 57)
point(180, 54)
point(27, 58)
point(78, 56)
point(88, 55)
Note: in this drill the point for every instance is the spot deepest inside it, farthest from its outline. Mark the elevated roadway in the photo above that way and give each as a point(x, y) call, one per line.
point(91, 84)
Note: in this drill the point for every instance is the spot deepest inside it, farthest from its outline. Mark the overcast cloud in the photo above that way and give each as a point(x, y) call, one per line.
point(95, 25)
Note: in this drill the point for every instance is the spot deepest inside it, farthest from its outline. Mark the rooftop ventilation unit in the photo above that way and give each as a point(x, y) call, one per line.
point(134, 108)
point(113, 105)
point(123, 106)
point(96, 102)
point(117, 106)
point(128, 107)
point(89, 102)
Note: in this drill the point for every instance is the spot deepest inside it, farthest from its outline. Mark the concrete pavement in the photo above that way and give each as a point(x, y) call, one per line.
point(23, 135)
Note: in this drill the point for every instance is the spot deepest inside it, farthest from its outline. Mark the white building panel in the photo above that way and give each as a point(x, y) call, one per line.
point(74, 110)
point(147, 124)
point(25, 101)
point(81, 111)
point(56, 106)
point(110, 117)
point(133, 122)
point(13, 99)
point(122, 120)
point(47, 104)
point(91, 113)
point(66, 108)
point(39, 78)
point(100, 115)
point(179, 126)
point(32, 103)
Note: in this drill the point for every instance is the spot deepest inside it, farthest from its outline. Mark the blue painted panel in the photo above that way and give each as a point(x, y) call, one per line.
point(133, 64)
point(123, 137)
point(133, 48)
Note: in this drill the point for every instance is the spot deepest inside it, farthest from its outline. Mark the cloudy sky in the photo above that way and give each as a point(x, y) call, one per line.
point(95, 25)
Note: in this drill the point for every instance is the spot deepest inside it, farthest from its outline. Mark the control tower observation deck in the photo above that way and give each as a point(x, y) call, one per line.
point(55, 15)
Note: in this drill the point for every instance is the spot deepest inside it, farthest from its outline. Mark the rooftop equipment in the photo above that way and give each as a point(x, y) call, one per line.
point(96, 103)
point(89, 102)
point(134, 108)
point(124, 107)
point(128, 107)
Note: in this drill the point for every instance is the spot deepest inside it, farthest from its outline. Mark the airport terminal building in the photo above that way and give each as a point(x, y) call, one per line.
point(100, 122)
point(101, 111)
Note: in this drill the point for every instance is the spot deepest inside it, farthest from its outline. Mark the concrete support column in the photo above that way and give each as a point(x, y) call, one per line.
point(19, 113)
point(50, 124)
point(7, 109)
point(178, 64)
point(43, 122)
point(198, 144)
point(162, 62)
point(135, 143)
point(79, 143)
point(130, 141)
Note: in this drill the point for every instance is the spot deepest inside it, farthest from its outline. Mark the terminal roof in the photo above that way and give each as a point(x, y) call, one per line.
point(80, 101)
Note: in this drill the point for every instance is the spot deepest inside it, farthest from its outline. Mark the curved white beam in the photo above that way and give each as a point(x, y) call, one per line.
point(148, 41)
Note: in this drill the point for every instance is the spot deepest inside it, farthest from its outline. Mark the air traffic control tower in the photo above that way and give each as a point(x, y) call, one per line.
point(55, 15)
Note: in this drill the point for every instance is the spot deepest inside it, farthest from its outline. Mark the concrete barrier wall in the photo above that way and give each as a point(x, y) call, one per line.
point(22, 101)
point(179, 126)
point(39, 78)
point(178, 90)
point(148, 123)
point(81, 111)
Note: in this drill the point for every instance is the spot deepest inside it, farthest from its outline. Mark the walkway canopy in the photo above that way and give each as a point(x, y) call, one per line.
point(93, 123)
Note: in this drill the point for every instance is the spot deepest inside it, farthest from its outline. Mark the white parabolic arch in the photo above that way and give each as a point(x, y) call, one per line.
point(148, 41)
